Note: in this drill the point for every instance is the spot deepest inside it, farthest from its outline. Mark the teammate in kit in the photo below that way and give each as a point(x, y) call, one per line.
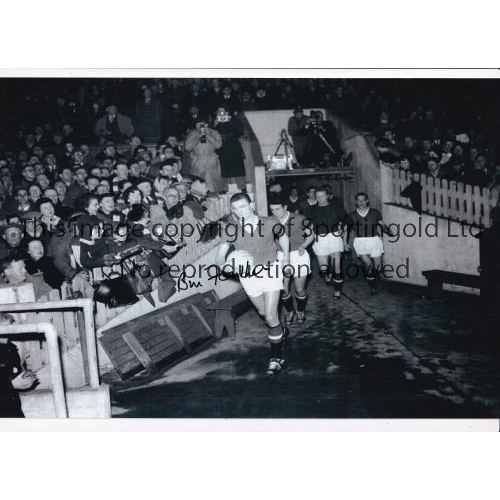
point(301, 236)
point(329, 222)
point(254, 259)
point(365, 224)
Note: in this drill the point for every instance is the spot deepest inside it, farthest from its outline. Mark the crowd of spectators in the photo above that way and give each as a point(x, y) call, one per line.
point(450, 156)
point(452, 140)
point(78, 154)
point(453, 119)
point(72, 210)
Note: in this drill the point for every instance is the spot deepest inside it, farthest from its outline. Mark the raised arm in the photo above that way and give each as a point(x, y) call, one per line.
point(214, 138)
point(192, 139)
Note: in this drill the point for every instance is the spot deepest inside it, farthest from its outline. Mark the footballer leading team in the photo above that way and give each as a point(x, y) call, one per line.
point(270, 255)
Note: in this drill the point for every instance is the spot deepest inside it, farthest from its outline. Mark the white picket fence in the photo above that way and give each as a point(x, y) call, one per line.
point(449, 199)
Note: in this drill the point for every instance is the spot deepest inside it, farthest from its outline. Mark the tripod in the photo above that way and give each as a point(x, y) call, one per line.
point(313, 147)
point(322, 137)
point(288, 148)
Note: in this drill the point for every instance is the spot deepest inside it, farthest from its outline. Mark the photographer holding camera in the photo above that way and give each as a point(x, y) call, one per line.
point(201, 144)
point(322, 147)
point(230, 153)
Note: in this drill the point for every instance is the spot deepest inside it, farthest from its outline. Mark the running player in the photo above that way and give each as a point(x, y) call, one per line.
point(300, 236)
point(328, 221)
point(365, 223)
point(256, 236)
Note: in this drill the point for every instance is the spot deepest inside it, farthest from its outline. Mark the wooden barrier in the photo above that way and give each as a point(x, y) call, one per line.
point(449, 199)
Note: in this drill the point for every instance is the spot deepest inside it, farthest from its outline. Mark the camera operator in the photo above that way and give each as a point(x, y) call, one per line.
point(322, 147)
point(297, 129)
point(230, 153)
point(201, 144)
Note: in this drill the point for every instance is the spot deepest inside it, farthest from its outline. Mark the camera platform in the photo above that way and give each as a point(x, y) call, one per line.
point(339, 172)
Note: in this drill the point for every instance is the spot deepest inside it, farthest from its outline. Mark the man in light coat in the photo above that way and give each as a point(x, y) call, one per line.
point(114, 126)
point(202, 143)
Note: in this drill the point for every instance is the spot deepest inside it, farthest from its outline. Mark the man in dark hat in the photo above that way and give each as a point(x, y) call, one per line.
point(229, 101)
point(114, 126)
point(298, 132)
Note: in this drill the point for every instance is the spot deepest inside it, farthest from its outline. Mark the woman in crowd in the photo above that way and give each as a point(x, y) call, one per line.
point(51, 222)
point(131, 196)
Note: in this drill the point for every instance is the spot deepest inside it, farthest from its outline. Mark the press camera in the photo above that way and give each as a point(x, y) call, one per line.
point(223, 117)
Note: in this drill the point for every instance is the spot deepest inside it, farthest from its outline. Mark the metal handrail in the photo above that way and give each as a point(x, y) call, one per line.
point(54, 359)
point(88, 314)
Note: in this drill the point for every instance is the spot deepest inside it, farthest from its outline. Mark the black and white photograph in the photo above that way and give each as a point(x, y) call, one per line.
point(249, 250)
point(249, 247)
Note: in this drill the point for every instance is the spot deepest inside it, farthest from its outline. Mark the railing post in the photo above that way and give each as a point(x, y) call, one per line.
point(260, 191)
point(88, 315)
